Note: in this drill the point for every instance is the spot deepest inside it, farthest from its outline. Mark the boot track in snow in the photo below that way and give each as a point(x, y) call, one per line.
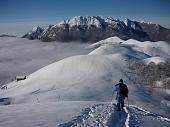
point(105, 115)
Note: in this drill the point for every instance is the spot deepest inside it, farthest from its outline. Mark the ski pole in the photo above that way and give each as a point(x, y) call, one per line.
point(128, 101)
point(112, 99)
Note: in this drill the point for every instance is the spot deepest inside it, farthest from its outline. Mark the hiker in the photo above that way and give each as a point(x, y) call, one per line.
point(121, 90)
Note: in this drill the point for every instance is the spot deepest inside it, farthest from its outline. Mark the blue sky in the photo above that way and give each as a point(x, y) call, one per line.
point(46, 12)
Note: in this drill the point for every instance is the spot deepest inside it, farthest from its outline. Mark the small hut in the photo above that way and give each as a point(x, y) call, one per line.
point(4, 87)
point(18, 78)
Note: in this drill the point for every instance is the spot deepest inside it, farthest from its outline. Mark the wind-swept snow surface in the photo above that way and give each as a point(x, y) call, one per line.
point(91, 77)
point(41, 114)
point(78, 114)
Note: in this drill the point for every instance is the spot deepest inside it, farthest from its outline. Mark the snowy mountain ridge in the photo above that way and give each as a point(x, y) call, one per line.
point(90, 20)
point(80, 20)
point(98, 21)
point(96, 28)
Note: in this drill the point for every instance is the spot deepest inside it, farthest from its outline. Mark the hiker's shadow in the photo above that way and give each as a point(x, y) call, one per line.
point(117, 118)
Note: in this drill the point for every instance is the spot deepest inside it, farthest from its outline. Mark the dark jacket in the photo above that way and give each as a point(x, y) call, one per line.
point(117, 90)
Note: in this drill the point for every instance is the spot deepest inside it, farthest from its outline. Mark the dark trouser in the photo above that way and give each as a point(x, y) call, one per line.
point(120, 104)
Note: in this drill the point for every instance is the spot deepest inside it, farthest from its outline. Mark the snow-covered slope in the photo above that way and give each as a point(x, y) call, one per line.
point(41, 114)
point(84, 77)
point(159, 48)
point(155, 60)
point(110, 40)
point(75, 78)
point(110, 45)
point(91, 77)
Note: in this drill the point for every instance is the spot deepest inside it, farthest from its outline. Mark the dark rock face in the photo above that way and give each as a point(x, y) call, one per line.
point(95, 28)
point(35, 33)
point(156, 32)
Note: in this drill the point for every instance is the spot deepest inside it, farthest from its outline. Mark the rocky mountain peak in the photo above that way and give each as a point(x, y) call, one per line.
point(84, 21)
point(95, 28)
point(34, 33)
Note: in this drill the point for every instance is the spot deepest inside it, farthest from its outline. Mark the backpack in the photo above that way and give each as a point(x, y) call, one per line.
point(122, 90)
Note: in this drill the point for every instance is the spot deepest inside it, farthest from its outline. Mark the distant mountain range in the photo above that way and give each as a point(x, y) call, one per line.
point(7, 35)
point(95, 28)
